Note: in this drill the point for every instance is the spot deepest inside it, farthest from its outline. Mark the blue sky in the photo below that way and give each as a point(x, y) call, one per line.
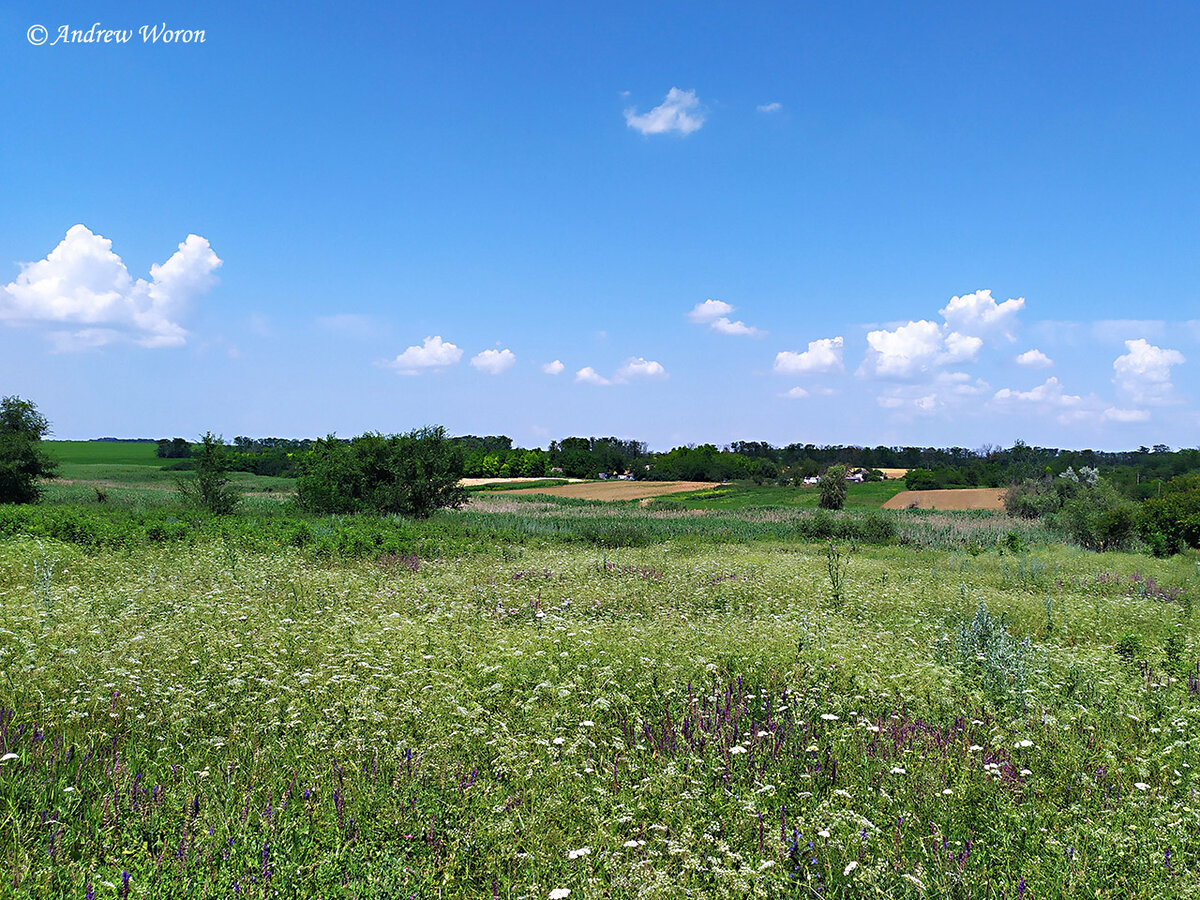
point(935, 225)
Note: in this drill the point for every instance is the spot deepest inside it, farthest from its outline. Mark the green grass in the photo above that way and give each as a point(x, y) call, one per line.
point(120, 453)
point(216, 711)
point(743, 495)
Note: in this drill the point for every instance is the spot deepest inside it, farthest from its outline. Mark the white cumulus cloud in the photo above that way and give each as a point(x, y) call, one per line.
point(770, 107)
point(636, 367)
point(715, 314)
point(823, 355)
point(1048, 396)
point(553, 368)
point(796, 393)
point(1144, 373)
point(709, 311)
point(679, 112)
point(724, 326)
point(493, 362)
point(588, 375)
point(84, 285)
point(433, 353)
point(1034, 359)
point(979, 315)
point(904, 352)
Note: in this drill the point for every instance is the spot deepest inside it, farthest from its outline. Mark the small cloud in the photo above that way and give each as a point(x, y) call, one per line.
point(553, 368)
point(715, 314)
point(679, 112)
point(710, 311)
point(636, 367)
point(1144, 373)
point(724, 326)
point(960, 347)
point(1049, 395)
point(433, 353)
point(796, 393)
point(493, 362)
point(588, 375)
point(824, 355)
point(1034, 359)
point(770, 107)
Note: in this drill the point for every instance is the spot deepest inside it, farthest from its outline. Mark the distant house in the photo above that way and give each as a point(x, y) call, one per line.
point(603, 476)
point(557, 470)
point(812, 479)
point(856, 476)
point(625, 477)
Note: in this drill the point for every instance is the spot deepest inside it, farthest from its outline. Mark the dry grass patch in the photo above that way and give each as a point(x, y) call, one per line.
point(961, 498)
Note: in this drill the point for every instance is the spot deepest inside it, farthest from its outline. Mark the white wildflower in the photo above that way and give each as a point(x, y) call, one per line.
point(560, 894)
point(850, 867)
point(576, 854)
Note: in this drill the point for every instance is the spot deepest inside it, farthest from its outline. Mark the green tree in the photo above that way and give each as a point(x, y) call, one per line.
point(409, 474)
point(22, 460)
point(833, 488)
point(209, 487)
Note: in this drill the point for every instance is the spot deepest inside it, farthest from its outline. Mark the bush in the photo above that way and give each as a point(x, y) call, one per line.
point(1172, 521)
point(1031, 499)
point(409, 474)
point(833, 488)
point(209, 488)
point(22, 460)
point(1098, 518)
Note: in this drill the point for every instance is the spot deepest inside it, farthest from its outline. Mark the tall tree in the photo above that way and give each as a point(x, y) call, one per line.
point(22, 460)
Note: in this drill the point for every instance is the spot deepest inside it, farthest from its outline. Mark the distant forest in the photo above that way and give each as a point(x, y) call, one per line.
point(1139, 474)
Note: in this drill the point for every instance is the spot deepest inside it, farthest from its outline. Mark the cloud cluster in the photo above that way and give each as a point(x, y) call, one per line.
point(715, 314)
point(679, 112)
point(919, 349)
point(84, 285)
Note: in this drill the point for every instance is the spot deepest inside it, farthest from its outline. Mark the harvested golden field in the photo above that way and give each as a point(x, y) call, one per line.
point(960, 498)
point(893, 474)
point(619, 490)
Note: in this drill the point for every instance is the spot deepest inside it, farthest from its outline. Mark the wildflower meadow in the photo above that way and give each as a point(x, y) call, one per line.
point(521, 714)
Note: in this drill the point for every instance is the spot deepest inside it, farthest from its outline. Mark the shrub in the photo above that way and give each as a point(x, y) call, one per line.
point(1031, 499)
point(833, 488)
point(209, 488)
point(1174, 517)
point(1098, 518)
point(409, 474)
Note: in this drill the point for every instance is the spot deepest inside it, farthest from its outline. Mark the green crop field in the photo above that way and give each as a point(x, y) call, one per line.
point(121, 453)
point(531, 697)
